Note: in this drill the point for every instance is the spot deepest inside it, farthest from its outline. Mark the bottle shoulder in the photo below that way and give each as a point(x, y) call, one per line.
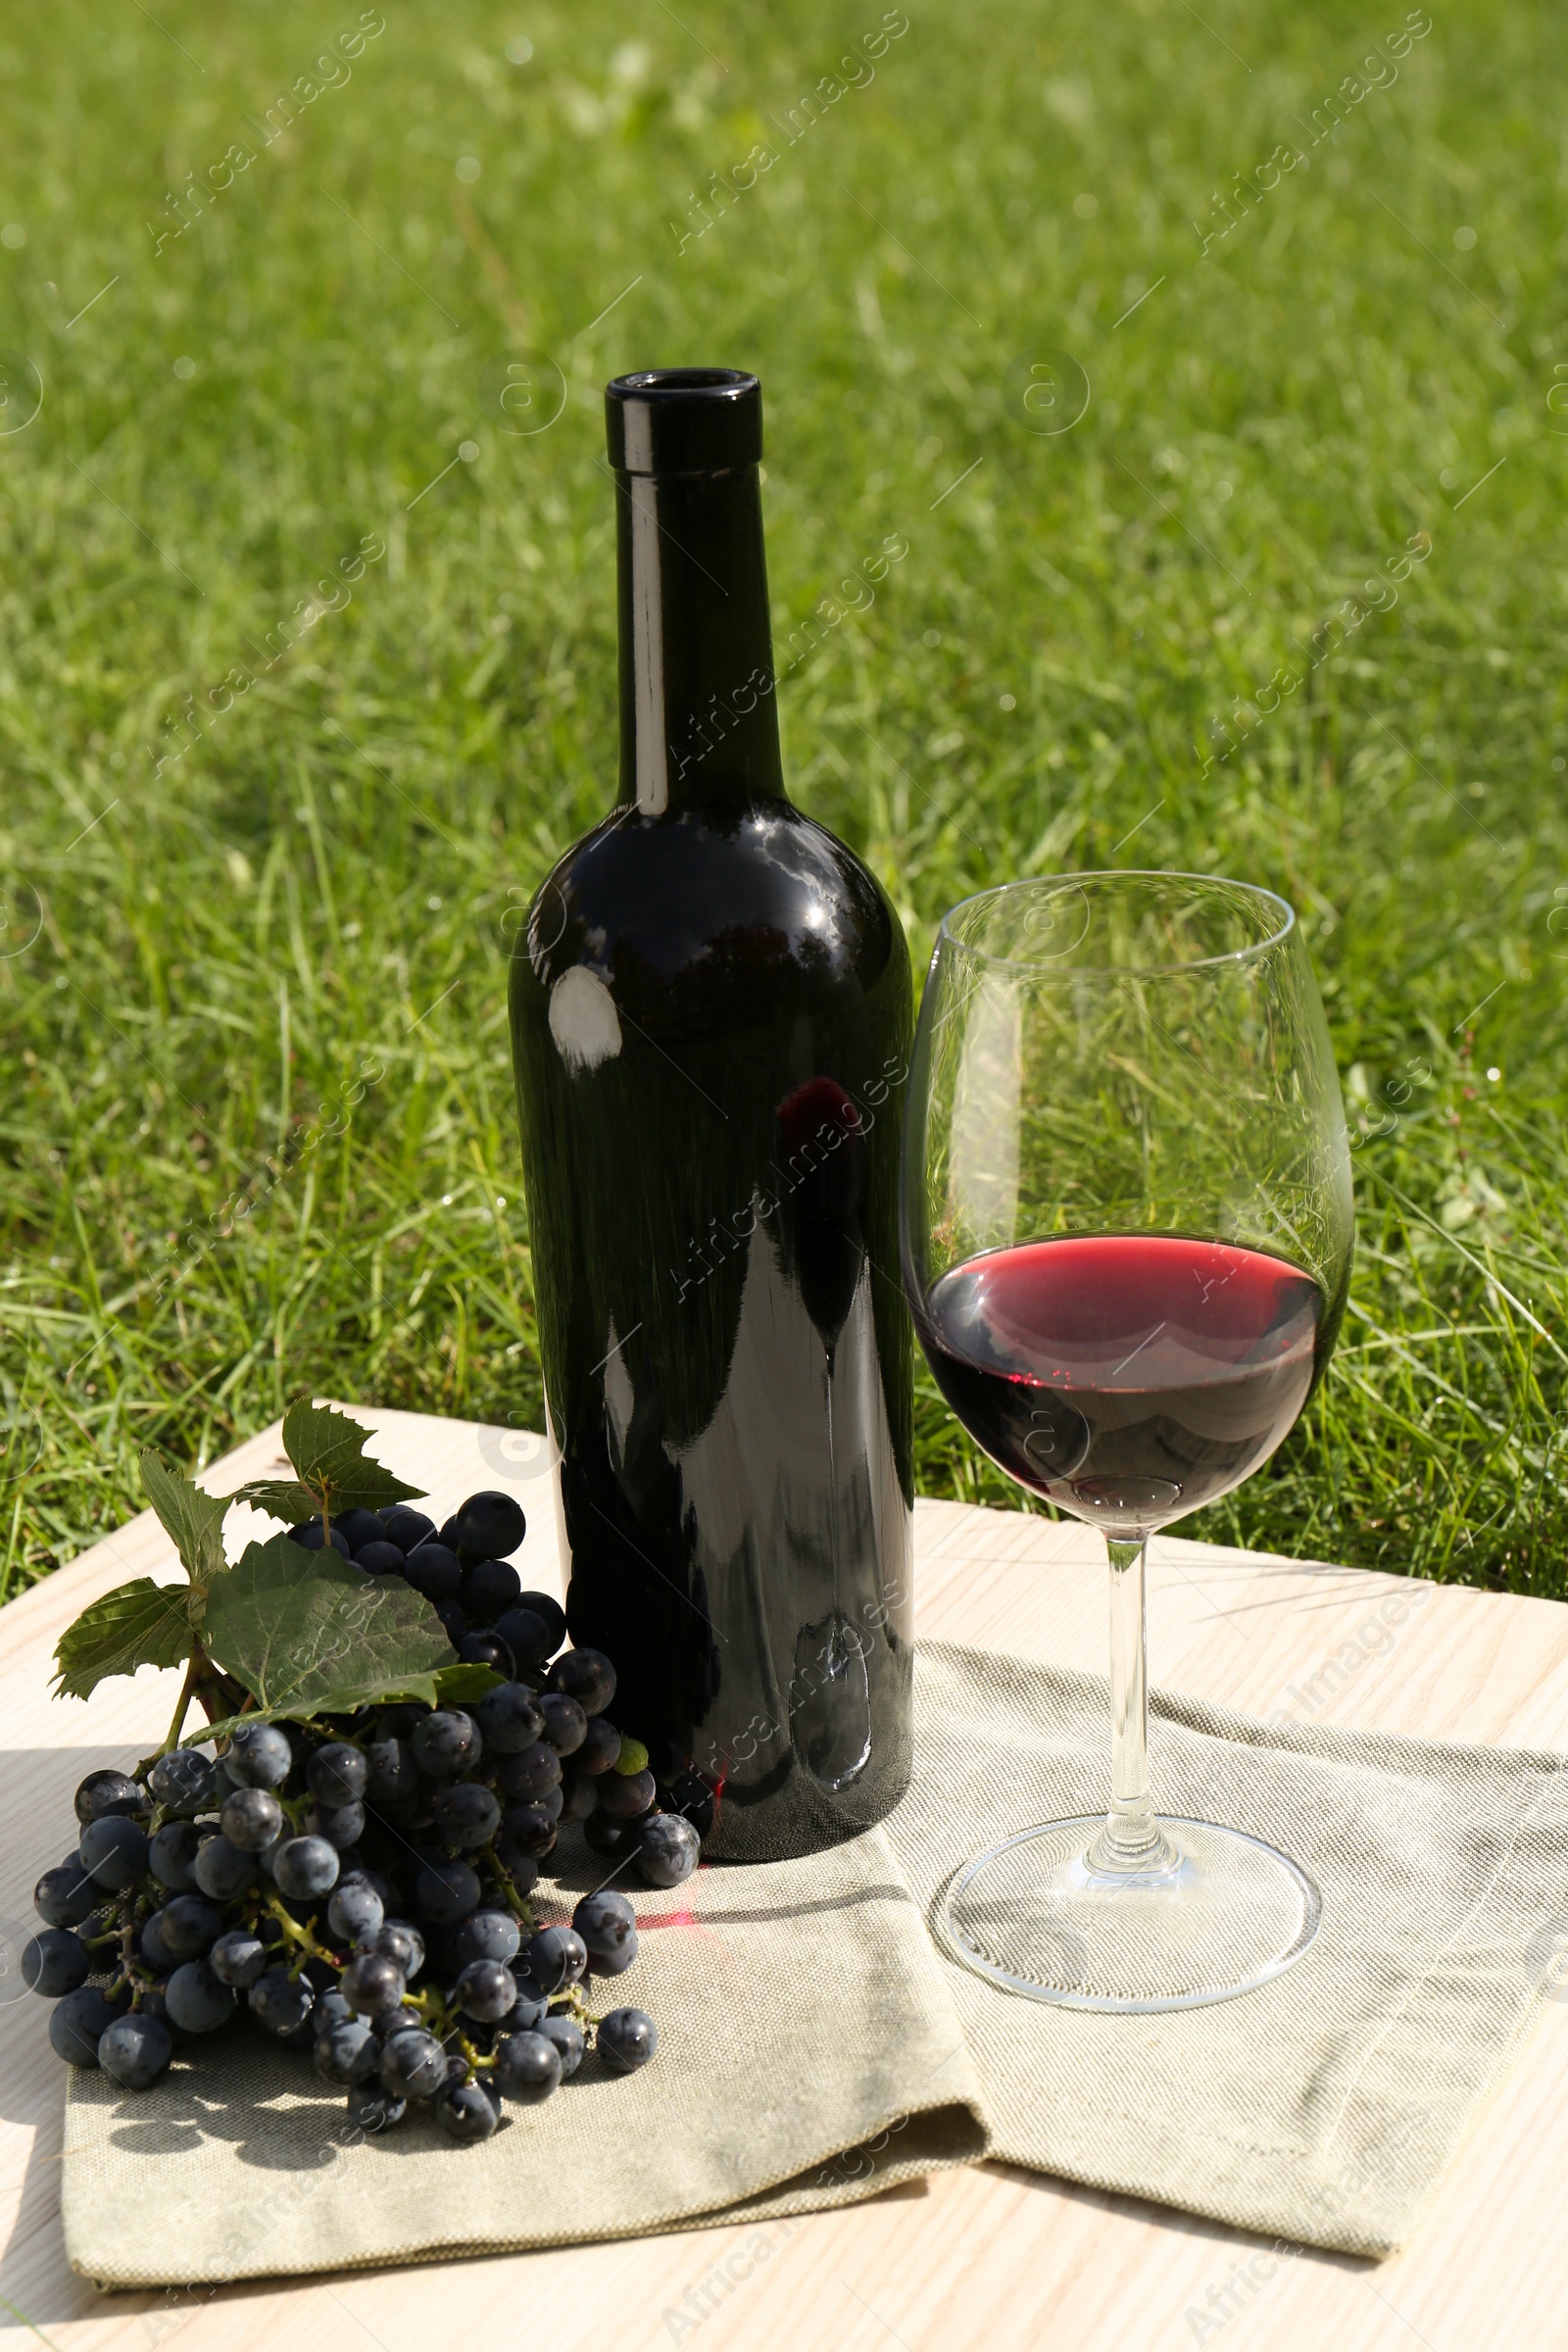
point(751, 896)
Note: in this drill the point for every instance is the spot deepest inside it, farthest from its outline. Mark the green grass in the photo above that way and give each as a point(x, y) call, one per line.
point(321, 883)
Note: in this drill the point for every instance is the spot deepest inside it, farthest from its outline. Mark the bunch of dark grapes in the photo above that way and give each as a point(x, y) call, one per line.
point(359, 1885)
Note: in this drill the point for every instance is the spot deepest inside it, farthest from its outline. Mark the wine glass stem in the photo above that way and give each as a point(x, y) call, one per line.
point(1131, 1839)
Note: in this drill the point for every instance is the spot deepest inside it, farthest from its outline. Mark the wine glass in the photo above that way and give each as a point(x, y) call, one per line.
point(1126, 1233)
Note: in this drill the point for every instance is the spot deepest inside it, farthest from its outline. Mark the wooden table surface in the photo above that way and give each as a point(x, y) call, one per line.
point(986, 2257)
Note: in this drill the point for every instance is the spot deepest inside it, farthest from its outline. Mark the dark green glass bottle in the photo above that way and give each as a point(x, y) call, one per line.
point(711, 1019)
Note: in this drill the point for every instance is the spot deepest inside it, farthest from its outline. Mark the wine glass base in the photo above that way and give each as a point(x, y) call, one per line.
point(1035, 1918)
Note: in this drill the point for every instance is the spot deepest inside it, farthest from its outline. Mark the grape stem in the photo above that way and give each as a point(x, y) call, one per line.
point(520, 1910)
point(219, 1693)
point(187, 1692)
point(310, 1947)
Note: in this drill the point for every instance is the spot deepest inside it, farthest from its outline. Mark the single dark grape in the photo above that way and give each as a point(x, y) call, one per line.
point(530, 1830)
point(601, 1747)
point(305, 1867)
point(486, 1990)
point(55, 1962)
point(467, 1814)
point(342, 1826)
point(490, 1524)
point(486, 1935)
point(403, 1941)
point(556, 1957)
point(184, 1782)
point(605, 1922)
point(359, 1528)
point(197, 2000)
point(259, 1756)
point(348, 2052)
point(413, 2064)
point(566, 2035)
point(113, 1851)
point(533, 2003)
point(308, 1536)
point(354, 1910)
point(406, 2020)
point(447, 1891)
point(587, 1676)
point(392, 1772)
point(465, 2112)
point(103, 1792)
point(626, 1794)
point(487, 1650)
point(528, 1636)
point(607, 1834)
point(529, 1772)
point(373, 1984)
point(458, 2071)
point(237, 1958)
point(509, 1718)
point(172, 1853)
point(668, 1849)
point(405, 1528)
point(545, 1607)
point(251, 1819)
point(64, 1897)
point(447, 1740)
point(553, 1802)
point(190, 1926)
point(489, 1587)
point(136, 2050)
point(691, 1797)
point(627, 2039)
point(336, 1774)
point(76, 2021)
point(565, 1724)
point(280, 2001)
point(615, 1962)
point(332, 2008)
point(527, 2068)
point(434, 1571)
point(381, 1558)
point(224, 1870)
point(154, 1951)
point(372, 2106)
point(578, 1796)
point(447, 1533)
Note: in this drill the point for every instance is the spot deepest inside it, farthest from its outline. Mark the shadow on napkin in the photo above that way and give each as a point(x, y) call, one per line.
point(810, 2055)
point(1325, 2106)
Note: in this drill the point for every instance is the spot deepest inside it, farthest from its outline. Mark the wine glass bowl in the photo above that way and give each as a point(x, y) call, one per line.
point(1126, 1235)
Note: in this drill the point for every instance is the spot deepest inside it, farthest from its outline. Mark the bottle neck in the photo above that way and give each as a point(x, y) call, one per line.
point(698, 725)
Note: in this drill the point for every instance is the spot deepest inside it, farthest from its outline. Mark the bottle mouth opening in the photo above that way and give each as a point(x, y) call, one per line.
point(683, 420)
point(674, 383)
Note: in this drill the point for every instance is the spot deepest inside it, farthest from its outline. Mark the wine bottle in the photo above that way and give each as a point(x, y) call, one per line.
point(711, 1019)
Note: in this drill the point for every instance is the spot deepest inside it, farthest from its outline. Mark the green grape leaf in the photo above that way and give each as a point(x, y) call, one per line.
point(446, 1687)
point(464, 1686)
point(307, 1634)
point(192, 1520)
point(328, 1451)
point(281, 1499)
point(139, 1624)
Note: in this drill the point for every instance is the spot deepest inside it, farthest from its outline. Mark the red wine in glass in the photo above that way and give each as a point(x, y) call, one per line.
point(1129, 1377)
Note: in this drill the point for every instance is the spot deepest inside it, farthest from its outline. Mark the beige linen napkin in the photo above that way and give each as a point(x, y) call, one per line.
point(816, 2047)
point(808, 2055)
point(1324, 2106)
